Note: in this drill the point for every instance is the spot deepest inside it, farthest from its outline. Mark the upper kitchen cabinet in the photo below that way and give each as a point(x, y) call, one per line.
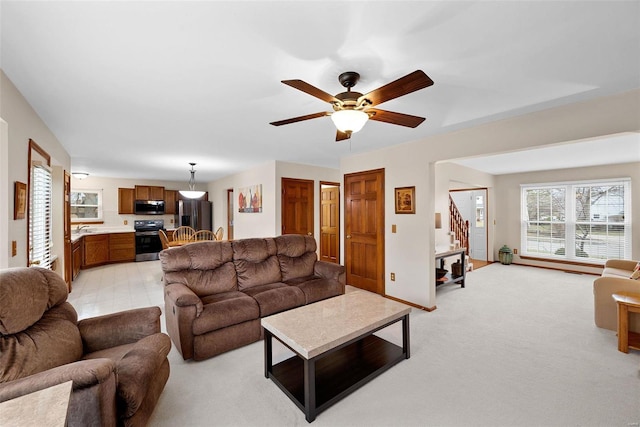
point(170, 198)
point(147, 192)
point(126, 198)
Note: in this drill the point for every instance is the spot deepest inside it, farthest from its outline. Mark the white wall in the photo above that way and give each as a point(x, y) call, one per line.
point(23, 124)
point(5, 249)
point(409, 253)
point(508, 209)
point(269, 222)
point(109, 187)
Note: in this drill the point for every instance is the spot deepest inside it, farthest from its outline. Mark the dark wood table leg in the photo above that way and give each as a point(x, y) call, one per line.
point(310, 389)
point(268, 354)
point(464, 269)
point(406, 346)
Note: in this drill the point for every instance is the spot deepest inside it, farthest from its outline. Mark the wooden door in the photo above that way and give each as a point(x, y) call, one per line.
point(297, 206)
point(330, 222)
point(68, 268)
point(230, 214)
point(364, 230)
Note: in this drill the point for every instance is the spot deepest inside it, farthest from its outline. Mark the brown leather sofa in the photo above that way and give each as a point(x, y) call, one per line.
point(117, 362)
point(216, 292)
point(616, 277)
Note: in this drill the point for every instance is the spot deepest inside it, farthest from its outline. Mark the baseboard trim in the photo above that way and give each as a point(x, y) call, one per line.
point(421, 307)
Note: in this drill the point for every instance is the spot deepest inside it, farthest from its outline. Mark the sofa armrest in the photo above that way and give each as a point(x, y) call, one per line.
point(84, 374)
point(182, 296)
point(605, 309)
point(329, 270)
point(622, 264)
point(125, 327)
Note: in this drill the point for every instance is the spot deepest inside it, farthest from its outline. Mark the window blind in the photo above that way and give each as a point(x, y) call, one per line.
point(580, 221)
point(40, 240)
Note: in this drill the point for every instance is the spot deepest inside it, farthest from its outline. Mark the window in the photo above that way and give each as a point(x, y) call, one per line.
point(86, 206)
point(579, 221)
point(40, 239)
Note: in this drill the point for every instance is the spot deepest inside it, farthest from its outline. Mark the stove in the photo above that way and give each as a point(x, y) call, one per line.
point(148, 243)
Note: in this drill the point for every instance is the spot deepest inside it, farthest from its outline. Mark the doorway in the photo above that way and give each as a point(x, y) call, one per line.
point(330, 222)
point(364, 230)
point(297, 206)
point(472, 205)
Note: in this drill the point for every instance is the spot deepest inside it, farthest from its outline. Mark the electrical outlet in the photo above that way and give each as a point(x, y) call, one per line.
point(393, 277)
point(393, 228)
point(126, 222)
point(515, 252)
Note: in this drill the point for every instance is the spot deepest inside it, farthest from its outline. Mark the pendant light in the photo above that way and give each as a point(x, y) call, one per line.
point(192, 193)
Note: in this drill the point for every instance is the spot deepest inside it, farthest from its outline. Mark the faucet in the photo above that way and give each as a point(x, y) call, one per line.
point(79, 228)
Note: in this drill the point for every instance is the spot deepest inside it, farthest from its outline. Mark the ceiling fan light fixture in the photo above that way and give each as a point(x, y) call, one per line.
point(349, 120)
point(192, 193)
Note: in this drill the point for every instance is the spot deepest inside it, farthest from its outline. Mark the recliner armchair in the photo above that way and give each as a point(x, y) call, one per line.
point(117, 362)
point(616, 277)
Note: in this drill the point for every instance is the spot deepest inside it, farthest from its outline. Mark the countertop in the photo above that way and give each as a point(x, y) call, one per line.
point(75, 236)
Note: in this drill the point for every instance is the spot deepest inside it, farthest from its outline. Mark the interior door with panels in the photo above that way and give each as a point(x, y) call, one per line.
point(297, 206)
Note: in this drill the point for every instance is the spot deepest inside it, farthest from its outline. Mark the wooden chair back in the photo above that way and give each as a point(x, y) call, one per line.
point(164, 239)
point(219, 233)
point(183, 233)
point(202, 235)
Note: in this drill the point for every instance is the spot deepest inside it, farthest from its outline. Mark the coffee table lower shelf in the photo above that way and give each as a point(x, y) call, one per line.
point(337, 373)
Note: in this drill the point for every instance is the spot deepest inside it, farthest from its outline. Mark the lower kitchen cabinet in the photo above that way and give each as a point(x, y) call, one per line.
point(122, 247)
point(76, 258)
point(96, 249)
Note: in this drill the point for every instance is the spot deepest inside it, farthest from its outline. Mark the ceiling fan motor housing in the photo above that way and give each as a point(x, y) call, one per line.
point(349, 79)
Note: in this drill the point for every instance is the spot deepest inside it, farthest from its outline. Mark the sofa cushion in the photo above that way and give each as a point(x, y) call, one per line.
point(25, 294)
point(204, 267)
point(52, 341)
point(226, 309)
point(616, 272)
point(256, 262)
point(316, 289)
point(296, 255)
point(276, 297)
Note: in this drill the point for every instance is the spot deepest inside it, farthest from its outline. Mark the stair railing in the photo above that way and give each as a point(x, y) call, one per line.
point(458, 226)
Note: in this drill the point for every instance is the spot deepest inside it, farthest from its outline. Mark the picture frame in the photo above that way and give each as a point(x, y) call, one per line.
point(405, 200)
point(250, 199)
point(20, 200)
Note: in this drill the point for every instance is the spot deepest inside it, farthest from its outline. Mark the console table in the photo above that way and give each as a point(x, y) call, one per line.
point(450, 278)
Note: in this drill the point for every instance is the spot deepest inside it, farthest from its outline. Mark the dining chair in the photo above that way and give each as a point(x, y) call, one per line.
point(183, 233)
point(219, 233)
point(202, 235)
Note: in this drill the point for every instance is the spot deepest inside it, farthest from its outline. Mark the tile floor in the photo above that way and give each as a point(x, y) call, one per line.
point(117, 287)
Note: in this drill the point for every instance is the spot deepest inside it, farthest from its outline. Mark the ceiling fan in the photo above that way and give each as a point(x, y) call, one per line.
point(351, 110)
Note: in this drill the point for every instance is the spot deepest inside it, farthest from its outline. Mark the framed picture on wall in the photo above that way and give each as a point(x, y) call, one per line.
point(20, 200)
point(250, 199)
point(405, 200)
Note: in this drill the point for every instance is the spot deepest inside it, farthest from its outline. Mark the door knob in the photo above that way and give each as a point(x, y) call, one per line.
point(309, 233)
point(348, 236)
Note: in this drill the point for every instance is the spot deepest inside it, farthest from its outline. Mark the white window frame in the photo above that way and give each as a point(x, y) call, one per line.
point(570, 220)
point(99, 217)
point(40, 216)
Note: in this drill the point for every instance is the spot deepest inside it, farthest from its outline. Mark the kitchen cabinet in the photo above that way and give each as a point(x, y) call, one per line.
point(122, 247)
point(96, 249)
point(126, 198)
point(76, 257)
point(149, 192)
point(170, 198)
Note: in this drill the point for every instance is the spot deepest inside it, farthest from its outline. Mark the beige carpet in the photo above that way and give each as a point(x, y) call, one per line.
point(516, 347)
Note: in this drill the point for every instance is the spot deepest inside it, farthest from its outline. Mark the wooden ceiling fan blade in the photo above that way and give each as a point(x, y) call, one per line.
point(394, 118)
point(311, 90)
point(300, 118)
point(341, 136)
point(403, 86)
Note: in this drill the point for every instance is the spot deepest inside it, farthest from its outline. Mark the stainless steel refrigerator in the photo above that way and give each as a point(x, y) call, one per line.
point(194, 213)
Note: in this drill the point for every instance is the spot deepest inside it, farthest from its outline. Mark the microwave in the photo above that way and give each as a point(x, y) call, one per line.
point(149, 207)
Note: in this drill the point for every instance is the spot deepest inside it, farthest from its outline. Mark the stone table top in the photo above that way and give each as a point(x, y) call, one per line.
point(316, 328)
point(46, 407)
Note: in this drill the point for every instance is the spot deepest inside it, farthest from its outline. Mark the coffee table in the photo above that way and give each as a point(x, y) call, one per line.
point(627, 302)
point(335, 349)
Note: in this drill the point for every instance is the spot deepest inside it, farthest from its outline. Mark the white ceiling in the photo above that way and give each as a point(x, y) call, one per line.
point(140, 89)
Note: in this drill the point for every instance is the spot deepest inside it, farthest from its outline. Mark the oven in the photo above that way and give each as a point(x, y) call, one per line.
point(148, 244)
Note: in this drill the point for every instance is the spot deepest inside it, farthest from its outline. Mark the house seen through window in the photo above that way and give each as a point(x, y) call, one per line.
point(578, 221)
point(86, 205)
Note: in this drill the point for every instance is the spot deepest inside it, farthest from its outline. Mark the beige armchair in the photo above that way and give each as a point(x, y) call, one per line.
point(117, 362)
point(615, 278)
